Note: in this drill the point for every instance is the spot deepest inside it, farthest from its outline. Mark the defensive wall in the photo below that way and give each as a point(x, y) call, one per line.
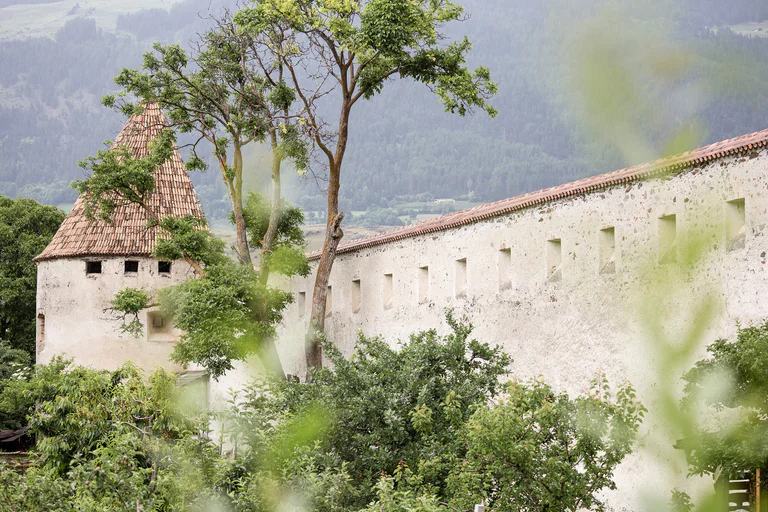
point(570, 280)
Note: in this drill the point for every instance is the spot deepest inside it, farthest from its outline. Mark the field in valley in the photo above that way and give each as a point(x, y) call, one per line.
point(759, 29)
point(21, 21)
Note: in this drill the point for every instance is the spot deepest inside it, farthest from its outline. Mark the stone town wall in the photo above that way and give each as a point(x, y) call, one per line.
point(73, 319)
point(562, 286)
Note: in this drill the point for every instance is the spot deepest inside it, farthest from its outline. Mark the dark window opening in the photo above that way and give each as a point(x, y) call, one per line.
point(131, 266)
point(41, 329)
point(93, 267)
point(164, 267)
point(157, 324)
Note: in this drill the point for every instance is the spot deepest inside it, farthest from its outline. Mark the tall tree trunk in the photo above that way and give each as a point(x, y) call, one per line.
point(333, 235)
point(268, 353)
point(277, 204)
point(243, 253)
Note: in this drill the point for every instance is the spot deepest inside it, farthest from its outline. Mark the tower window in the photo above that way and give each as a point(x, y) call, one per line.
point(554, 259)
point(158, 323)
point(40, 330)
point(164, 267)
point(93, 267)
point(131, 266)
point(735, 224)
point(461, 277)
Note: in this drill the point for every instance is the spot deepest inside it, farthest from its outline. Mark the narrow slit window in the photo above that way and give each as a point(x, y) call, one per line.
point(40, 329)
point(93, 267)
point(505, 268)
point(164, 267)
point(423, 284)
point(131, 266)
point(554, 259)
point(460, 277)
point(388, 290)
point(668, 239)
point(301, 303)
point(329, 301)
point(356, 295)
point(607, 250)
point(735, 224)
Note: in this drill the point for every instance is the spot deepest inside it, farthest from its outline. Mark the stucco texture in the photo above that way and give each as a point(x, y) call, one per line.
point(546, 284)
point(79, 324)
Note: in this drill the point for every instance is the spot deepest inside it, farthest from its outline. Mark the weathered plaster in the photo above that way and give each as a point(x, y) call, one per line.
point(79, 324)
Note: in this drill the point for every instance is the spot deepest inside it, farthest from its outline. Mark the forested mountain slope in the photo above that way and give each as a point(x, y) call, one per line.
point(402, 143)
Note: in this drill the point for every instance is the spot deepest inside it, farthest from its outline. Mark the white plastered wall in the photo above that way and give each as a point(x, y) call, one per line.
point(567, 324)
point(78, 323)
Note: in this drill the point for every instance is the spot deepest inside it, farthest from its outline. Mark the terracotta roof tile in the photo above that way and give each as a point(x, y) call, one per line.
point(128, 234)
point(675, 163)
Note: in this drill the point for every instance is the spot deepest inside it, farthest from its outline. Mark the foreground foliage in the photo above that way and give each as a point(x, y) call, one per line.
point(732, 383)
point(425, 427)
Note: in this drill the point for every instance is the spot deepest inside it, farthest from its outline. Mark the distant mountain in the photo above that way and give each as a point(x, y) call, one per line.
point(402, 142)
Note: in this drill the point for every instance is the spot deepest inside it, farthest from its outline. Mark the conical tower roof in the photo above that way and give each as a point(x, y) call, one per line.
point(127, 234)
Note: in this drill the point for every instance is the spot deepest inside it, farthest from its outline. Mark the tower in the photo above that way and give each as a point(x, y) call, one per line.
point(88, 261)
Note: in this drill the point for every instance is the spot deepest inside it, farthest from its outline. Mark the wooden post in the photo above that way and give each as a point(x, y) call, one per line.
point(757, 490)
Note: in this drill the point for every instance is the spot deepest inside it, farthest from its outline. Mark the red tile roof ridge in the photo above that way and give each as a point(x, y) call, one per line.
point(128, 234)
point(631, 174)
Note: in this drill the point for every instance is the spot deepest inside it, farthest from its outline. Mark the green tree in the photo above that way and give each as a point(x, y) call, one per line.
point(212, 334)
point(111, 441)
point(536, 450)
point(733, 385)
point(388, 405)
point(336, 52)
point(407, 429)
point(221, 95)
point(26, 228)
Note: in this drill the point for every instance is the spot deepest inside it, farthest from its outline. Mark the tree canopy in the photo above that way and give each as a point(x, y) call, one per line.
point(733, 384)
point(26, 228)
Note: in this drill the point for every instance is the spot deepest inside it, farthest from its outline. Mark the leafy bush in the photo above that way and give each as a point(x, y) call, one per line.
point(425, 427)
point(733, 381)
point(538, 450)
point(387, 405)
point(109, 441)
